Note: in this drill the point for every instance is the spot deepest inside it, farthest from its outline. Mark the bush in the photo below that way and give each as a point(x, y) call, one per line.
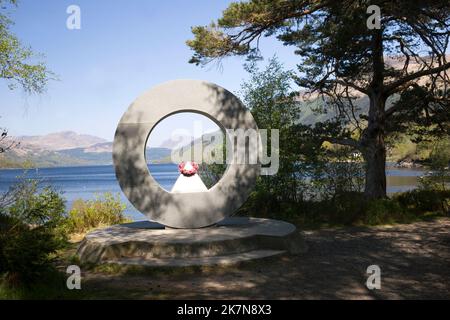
point(51, 286)
point(384, 211)
point(211, 173)
point(30, 223)
point(439, 163)
point(102, 211)
point(422, 201)
point(353, 209)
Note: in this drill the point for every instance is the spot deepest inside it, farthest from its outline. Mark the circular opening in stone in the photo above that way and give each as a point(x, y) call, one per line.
point(187, 138)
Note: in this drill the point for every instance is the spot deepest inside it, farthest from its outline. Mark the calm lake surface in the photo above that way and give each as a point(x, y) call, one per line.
point(85, 182)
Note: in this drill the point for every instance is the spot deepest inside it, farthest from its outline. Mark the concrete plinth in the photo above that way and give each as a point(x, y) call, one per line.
point(231, 241)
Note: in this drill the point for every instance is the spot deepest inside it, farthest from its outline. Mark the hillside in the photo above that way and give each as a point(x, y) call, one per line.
point(65, 149)
point(207, 141)
point(58, 141)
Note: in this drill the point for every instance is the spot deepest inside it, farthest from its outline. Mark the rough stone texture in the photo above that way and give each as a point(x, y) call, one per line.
point(197, 261)
point(182, 210)
point(232, 240)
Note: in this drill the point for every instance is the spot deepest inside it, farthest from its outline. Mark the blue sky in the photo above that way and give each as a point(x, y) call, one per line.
point(122, 49)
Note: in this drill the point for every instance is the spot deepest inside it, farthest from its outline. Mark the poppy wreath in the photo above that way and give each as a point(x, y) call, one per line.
point(188, 168)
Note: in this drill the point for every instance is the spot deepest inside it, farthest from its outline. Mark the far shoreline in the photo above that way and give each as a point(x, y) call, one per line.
point(73, 166)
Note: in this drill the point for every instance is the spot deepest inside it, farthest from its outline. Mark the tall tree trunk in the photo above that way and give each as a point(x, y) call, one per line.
point(374, 149)
point(372, 140)
point(375, 156)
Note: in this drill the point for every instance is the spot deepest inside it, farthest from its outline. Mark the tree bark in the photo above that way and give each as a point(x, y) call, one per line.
point(374, 149)
point(375, 187)
point(372, 139)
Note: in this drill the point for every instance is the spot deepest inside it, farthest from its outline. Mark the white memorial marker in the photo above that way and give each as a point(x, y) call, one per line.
point(189, 180)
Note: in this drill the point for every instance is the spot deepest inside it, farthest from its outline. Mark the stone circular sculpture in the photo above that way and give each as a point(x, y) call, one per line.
point(181, 210)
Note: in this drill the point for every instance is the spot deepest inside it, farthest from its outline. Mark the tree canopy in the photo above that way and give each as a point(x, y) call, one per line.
point(19, 65)
point(401, 67)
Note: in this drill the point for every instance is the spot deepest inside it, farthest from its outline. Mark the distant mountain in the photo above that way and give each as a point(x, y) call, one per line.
point(172, 143)
point(158, 155)
point(59, 141)
point(309, 115)
point(66, 149)
point(207, 140)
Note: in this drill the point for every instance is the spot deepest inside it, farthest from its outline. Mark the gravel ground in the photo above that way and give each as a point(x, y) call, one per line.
point(414, 261)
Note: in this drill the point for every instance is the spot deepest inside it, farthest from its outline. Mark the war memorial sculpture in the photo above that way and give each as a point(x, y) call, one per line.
point(191, 224)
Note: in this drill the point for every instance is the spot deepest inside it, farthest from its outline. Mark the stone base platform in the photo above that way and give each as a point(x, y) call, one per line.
point(233, 240)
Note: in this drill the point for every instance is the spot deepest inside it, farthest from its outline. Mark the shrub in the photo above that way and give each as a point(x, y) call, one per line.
point(384, 211)
point(352, 208)
point(424, 200)
point(104, 210)
point(51, 286)
point(347, 207)
point(439, 161)
point(30, 223)
point(211, 173)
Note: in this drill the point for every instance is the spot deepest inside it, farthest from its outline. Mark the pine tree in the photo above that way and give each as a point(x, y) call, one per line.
point(401, 67)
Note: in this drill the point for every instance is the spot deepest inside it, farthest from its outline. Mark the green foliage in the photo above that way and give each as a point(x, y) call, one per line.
point(400, 147)
point(16, 61)
point(308, 169)
point(49, 286)
point(335, 170)
point(30, 222)
point(211, 173)
point(330, 37)
point(432, 152)
point(103, 211)
point(425, 201)
point(439, 177)
point(400, 67)
point(422, 110)
point(211, 42)
point(384, 211)
point(440, 154)
point(354, 209)
point(267, 94)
